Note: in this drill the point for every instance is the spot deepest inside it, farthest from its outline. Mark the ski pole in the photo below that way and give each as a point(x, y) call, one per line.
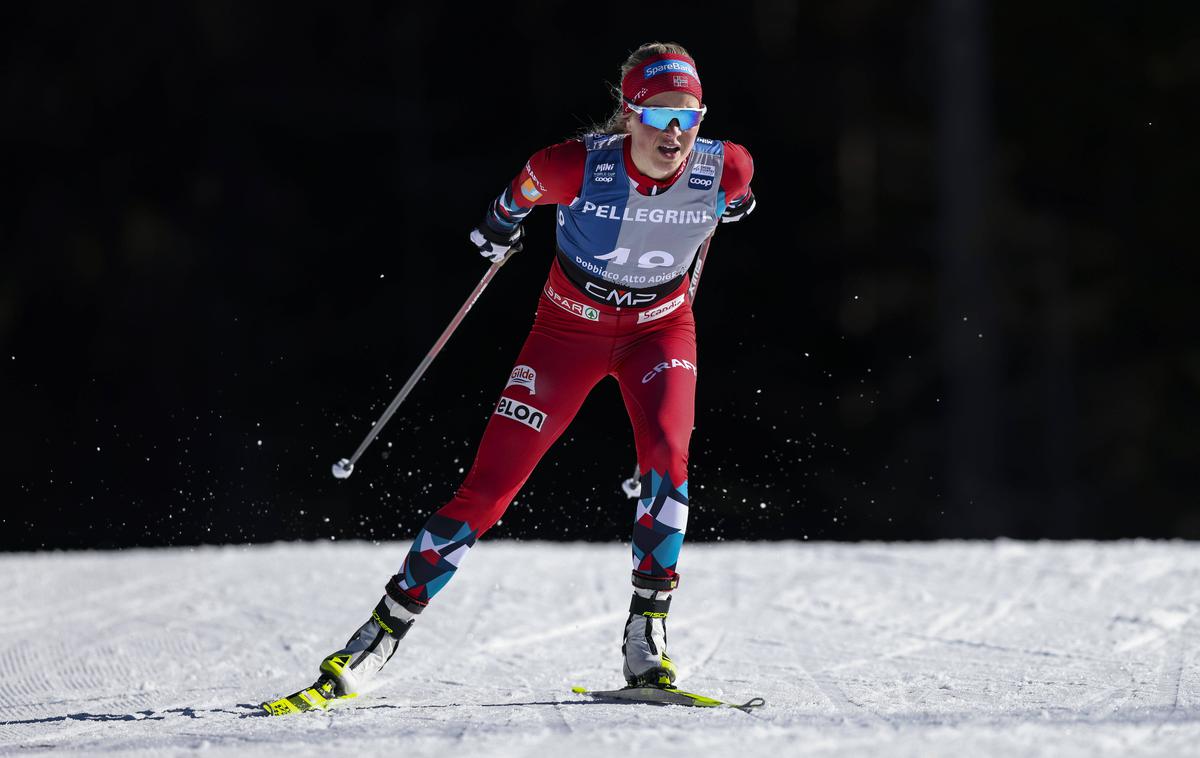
point(343, 468)
point(632, 487)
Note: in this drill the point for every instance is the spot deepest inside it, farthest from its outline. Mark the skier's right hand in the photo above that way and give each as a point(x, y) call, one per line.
point(497, 246)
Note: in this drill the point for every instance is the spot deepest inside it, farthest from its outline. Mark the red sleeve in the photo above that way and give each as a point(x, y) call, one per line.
point(552, 175)
point(737, 173)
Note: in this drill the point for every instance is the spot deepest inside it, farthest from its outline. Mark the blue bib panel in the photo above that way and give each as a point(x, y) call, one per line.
point(625, 248)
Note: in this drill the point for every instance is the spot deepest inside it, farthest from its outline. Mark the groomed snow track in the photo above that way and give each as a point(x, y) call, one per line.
point(947, 649)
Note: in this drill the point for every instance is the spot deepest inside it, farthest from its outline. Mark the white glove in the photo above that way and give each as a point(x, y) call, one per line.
point(496, 246)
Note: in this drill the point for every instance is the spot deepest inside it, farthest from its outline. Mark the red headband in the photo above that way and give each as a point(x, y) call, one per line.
point(669, 72)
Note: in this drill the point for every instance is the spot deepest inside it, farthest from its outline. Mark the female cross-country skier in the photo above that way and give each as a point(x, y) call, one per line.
point(635, 201)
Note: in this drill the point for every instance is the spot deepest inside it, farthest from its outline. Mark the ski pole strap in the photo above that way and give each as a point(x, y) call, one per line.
point(644, 606)
point(644, 582)
point(405, 600)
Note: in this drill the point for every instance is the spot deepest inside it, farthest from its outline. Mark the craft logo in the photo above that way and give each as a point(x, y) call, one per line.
point(572, 306)
point(523, 376)
point(659, 311)
point(675, 363)
point(604, 172)
point(526, 414)
point(662, 67)
point(531, 188)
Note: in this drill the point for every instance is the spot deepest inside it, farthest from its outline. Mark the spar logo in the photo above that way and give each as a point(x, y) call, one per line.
point(573, 306)
point(525, 377)
point(664, 366)
point(517, 411)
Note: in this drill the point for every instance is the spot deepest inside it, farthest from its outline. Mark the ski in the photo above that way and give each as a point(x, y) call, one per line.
point(319, 696)
point(667, 696)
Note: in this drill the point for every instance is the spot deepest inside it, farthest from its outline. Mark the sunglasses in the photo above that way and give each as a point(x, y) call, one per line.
point(661, 118)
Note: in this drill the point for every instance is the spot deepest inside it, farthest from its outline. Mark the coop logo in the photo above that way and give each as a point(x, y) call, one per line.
point(571, 306)
point(699, 182)
point(604, 172)
point(659, 311)
point(619, 296)
point(664, 366)
point(672, 65)
point(523, 376)
point(526, 414)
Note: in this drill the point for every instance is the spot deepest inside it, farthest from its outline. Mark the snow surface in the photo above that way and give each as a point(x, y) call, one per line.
point(872, 649)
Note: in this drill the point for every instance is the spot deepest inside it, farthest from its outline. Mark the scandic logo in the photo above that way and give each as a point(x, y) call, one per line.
point(654, 69)
point(523, 376)
point(659, 311)
point(525, 414)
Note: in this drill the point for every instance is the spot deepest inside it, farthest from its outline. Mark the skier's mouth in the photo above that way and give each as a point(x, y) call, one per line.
point(669, 152)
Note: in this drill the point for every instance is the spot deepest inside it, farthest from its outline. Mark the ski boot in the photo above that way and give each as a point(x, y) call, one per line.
point(645, 643)
point(346, 672)
point(371, 647)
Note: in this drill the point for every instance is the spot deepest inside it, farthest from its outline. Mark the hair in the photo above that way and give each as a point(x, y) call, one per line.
point(617, 122)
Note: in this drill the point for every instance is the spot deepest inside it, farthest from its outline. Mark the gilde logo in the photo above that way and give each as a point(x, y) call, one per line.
point(525, 414)
point(523, 376)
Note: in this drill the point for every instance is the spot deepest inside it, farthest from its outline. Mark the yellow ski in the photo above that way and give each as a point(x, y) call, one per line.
point(317, 697)
point(667, 696)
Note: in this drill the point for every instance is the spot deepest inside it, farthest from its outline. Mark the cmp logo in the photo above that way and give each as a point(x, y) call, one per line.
point(523, 376)
point(525, 414)
point(619, 296)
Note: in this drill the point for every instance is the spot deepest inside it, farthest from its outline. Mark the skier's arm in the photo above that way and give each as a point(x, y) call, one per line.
point(735, 183)
point(552, 175)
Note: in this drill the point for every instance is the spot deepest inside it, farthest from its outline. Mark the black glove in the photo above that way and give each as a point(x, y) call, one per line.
point(739, 211)
point(497, 246)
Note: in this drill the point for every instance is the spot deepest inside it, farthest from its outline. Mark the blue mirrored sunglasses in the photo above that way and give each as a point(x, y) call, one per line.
point(661, 118)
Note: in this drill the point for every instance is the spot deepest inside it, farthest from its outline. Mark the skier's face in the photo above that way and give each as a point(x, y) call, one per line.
point(658, 152)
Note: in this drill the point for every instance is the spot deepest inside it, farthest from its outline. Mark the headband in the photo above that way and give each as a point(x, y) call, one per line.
point(669, 72)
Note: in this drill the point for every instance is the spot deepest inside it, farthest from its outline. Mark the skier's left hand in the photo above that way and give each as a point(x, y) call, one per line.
point(739, 211)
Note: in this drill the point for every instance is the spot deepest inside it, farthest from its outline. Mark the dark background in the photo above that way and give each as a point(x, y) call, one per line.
point(963, 308)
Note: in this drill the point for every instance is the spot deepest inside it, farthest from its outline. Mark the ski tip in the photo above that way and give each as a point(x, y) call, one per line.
point(580, 690)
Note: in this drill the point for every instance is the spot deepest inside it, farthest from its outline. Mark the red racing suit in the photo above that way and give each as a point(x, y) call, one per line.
point(614, 304)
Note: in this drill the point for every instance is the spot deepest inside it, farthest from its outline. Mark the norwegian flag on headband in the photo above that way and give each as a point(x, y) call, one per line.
point(661, 73)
